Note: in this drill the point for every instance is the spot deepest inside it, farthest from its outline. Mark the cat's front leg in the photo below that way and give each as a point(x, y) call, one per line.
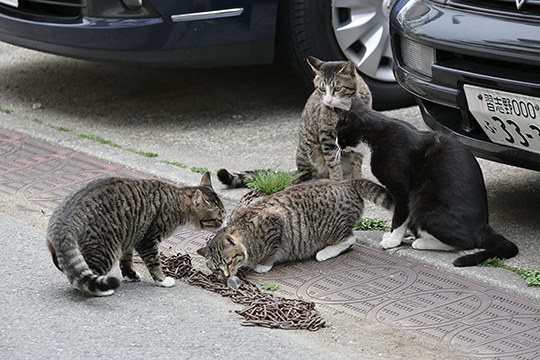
point(400, 223)
point(149, 252)
point(393, 239)
point(262, 268)
point(332, 251)
point(331, 154)
point(267, 263)
point(356, 164)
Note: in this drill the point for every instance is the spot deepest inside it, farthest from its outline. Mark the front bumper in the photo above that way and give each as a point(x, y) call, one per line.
point(157, 39)
point(477, 48)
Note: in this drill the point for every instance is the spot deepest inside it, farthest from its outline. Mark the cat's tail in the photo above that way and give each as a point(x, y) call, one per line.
point(495, 245)
point(373, 192)
point(68, 258)
point(234, 180)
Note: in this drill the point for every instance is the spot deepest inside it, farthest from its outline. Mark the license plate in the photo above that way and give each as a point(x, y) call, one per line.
point(14, 3)
point(506, 118)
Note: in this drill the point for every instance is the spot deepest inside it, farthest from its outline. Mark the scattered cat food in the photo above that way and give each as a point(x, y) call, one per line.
point(263, 309)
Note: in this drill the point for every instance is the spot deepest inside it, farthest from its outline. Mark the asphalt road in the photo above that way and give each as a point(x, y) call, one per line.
point(241, 118)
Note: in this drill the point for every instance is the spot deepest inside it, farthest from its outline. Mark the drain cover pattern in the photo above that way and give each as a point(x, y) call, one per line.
point(472, 319)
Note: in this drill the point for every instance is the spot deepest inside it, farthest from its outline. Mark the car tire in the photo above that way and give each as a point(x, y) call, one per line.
point(306, 28)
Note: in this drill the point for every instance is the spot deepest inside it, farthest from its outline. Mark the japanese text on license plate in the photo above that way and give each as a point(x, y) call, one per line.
point(506, 118)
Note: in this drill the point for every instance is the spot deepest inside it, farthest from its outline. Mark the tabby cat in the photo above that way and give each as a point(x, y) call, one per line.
point(294, 224)
point(109, 218)
point(317, 156)
point(436, 183)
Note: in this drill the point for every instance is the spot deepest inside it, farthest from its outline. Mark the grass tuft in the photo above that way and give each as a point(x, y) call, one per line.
point(271, 181)
point(175, 163)
point(530, 276)
point(370, 224)
point(147, 154)
point(200, 170)
point(270, 287)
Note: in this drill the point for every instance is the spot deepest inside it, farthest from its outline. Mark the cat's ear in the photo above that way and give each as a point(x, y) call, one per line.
point(314, 63)
point(229, 241)
point(206, 180)
point(198, 198)
point(348, 67)
point(204, 251)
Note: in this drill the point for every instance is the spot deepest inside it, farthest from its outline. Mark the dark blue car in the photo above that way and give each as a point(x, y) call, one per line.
point(212, 33)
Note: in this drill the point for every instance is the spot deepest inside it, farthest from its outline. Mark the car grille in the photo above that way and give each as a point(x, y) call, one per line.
point(46, 10)
point(530, 9)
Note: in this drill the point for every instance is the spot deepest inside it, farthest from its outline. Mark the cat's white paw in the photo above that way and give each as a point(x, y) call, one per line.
point(137, 277)
point(418, 244)
point(261, 269)
point(325, 254)
point(391, 240)
point(431, 243)
point(104, 293)
point(167, 282)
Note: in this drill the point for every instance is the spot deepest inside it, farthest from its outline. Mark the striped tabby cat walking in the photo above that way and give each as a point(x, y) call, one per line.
point(109, 218)
point(317, 153)
point(298, 223)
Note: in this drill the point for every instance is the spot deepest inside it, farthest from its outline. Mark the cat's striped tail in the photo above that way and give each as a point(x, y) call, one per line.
point(234, 180)
point(373, 192)
point(68, 259)
point(495, 245)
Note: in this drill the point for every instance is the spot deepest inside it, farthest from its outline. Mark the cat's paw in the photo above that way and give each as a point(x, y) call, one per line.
point(431, 243)
point(167, 282)
point(390, 240)
point(133, 277)
point(336, 177)
point(261, 269)
point(104, 293)
point(325, 254)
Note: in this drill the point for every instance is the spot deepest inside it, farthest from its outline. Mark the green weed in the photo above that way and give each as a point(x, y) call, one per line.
point(200, 170)
point(98, 139)
point(5, 111)
point(530, 276)
point(272, 181)
point(175, 163)
point(270, 287)
point(370, 224)
point(147, 154)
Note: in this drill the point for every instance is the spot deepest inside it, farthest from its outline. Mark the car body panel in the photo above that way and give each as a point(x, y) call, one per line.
point(246, 38)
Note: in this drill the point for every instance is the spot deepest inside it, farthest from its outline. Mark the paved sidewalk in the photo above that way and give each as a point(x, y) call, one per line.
point(385, 293)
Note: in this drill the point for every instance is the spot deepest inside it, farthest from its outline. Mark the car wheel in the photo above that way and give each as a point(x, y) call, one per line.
point(343, 30)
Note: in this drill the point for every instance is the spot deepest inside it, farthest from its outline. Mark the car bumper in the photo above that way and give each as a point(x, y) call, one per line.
point(231, 38)
point(503, 57)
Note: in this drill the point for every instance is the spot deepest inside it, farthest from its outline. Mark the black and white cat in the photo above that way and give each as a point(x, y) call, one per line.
point(436, 183)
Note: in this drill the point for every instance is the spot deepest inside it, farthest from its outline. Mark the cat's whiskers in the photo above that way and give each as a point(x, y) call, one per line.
point(338, 151)
point(338, 154)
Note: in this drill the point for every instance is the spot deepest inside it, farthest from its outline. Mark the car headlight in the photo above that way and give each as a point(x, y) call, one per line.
point(417, 57)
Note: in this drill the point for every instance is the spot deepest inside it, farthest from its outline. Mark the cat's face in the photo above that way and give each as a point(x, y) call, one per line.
point(224, 253)
point(208, 210)
point(336, 81)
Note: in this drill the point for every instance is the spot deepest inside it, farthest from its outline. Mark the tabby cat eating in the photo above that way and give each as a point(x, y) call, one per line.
point(297, 223)
point(109, 218)
point(317, 156)
point(436, 183)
